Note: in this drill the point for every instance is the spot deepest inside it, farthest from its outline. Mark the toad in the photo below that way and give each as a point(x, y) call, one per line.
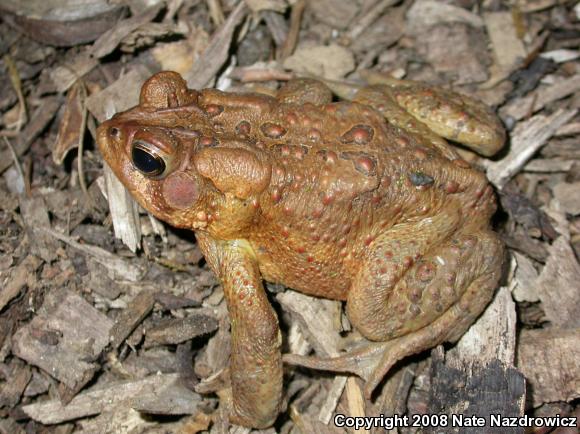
point(361, 201)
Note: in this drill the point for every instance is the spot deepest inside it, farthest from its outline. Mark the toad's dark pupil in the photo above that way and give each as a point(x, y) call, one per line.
point(149, 164)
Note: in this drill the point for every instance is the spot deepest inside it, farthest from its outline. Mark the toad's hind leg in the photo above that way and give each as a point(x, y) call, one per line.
point(446, 113)
point(413, 305)
point(436, 300)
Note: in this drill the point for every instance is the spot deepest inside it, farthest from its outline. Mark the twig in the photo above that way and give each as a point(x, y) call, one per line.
point(217, 51)
point(80, 146)
point(370, 17)
point(216, 12)
point(292, 37)
point(18, 166)
point(17, 85)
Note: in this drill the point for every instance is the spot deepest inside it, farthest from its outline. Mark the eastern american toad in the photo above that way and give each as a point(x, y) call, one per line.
point(360, 201)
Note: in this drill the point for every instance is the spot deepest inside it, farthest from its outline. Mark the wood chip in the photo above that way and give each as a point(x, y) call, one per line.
point(9, 426)
point(560, 56)
point(177, 330)
point(335, 13)
point(549, 165)
point(508, 48)
point(558, 285)
point(110, 421)
point(573, 128)
point(214, 57)
point(38, 122)
point(216, 355)
point(474, 389)
point(69, 131)
point(425, 14)
point(124, 211)
point(64, 76)
point(16, 279)
point(331, 400)
point(171, 399)
point(527, 138)
point(119, 267)
point(131, 317)
point(449, 49)
point(384, 32)
point(267, 5)
point(111, 39)
point(539, 352)
point(61, 23)
point(482, 362)
point(493, 337)
point(525, 278)
point(64, 338)
point(521, 107)
point(102, 399)
point(12, 390)
point(119, 96)
point(180, 56)
point(355, 399)
point(331, 62)
point(317, 319)
point(35, 216)
point(568, 194)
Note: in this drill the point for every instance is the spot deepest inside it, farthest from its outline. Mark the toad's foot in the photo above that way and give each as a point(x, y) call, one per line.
point(373, 362)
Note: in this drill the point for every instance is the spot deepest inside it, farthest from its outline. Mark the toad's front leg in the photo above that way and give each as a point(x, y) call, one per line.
point(255, 363)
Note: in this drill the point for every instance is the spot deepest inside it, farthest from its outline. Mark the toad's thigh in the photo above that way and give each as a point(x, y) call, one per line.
point(432, 285)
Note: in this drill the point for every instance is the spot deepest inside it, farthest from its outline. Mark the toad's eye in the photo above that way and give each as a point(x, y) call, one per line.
point(146, 161)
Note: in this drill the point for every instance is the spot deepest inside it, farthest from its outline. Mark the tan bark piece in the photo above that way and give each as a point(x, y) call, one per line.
point(568, 194)
point(119, 96)
point(549, 165)
point(217, 52)
point(177, 330)
point(558, 285)
point(493, 336)
point(124, 211)
point(102, 399)
point(549, 360)
point(38, 122)
point(316, 318)
point(116, 265)
point(35, 216)
point(267, 5)
point(509, 50)
point(427, 13)
point(335, 13)
point(525, 278)
point(355, 400)
point(332, 397)
point(12, 390)
point(15, 279)
point(131, 317)
point(456, 50)
point(519, 108)
point(527, 138)
point(66, 335)
point(331, 62)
